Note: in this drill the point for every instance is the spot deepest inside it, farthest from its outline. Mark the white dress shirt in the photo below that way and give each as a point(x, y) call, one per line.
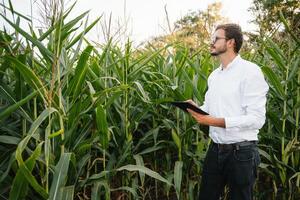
point(236, 93)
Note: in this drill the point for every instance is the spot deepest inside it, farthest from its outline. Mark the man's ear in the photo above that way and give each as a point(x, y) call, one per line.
point(231, 42)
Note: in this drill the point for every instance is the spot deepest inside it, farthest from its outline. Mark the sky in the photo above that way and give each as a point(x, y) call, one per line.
point(144, 19)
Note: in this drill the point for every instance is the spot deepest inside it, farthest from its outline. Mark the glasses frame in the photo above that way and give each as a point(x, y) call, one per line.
point(215, 39)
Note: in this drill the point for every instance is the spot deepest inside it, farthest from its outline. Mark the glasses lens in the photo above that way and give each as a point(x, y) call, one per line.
point(216, 38)
point(213, 40)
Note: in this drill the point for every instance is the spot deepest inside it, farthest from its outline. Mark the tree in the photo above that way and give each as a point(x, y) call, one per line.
point(194, 29)
point(267, 13)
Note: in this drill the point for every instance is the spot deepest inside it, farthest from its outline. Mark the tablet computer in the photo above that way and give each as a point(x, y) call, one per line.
point(185, 105)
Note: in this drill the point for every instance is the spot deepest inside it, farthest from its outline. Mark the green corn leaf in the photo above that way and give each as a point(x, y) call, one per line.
point(6, 139)
point(85, 31)
point(278, 60)
point(176, 139)
point(20, 84)
point(47, 54)
point(143, 62)
point(16, 106)
point(150, 135)
point(5, 173)
point(144, 170)
point(80, 72)
point(152, 149)
point(202, 76)
point(190, 85)
point(144, 95)
point(294, 68)
point(7, 93)
point(102, 126)
point(23, 144)
point(180, 59)
point(178, 177)
point(60, 176)
point(274, 81)
point(139, 161)
point(32, 181)
point(30, 77)
point(297, 177)
point(96, 193)
point(72, 23)
point(278, 51)
point(67, 193)
point(20, 185)
point(192, 185)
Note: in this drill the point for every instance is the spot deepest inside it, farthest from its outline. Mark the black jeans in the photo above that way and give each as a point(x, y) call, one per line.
point(235, 166)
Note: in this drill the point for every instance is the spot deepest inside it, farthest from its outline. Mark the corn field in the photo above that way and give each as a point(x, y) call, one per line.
point(85, 121)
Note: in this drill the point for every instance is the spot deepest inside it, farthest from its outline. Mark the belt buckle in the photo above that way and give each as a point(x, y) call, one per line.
point(237, 147)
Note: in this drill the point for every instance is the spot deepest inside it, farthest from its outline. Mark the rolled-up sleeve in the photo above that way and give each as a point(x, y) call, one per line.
point(254, 91)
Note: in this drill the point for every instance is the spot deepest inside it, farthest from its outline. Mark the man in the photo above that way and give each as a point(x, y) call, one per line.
point(235, 101)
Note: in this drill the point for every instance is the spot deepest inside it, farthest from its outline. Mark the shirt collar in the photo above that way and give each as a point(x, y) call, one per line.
point(231, 64)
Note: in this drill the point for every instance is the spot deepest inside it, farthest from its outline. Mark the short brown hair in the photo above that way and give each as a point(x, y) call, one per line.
point(233, 31)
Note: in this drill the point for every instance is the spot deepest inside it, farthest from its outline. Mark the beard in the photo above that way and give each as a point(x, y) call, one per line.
point(219, 52)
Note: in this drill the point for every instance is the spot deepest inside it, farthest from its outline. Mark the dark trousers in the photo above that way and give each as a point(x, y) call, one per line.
point(231, 165)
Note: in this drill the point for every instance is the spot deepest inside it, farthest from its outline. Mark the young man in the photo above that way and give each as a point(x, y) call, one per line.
point(235, 101)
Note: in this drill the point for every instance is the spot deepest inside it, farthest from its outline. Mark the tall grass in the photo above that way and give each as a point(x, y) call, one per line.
point(80, 121)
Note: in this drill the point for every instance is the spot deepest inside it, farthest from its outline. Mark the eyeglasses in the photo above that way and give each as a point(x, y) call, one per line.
point(215, 39)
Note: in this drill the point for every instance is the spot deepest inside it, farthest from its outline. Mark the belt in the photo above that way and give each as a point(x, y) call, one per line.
point(234, 146)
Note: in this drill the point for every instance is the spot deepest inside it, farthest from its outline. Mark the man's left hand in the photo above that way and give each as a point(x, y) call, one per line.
point(207, 119)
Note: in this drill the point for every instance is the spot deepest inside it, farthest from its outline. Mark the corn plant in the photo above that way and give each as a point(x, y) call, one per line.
point(280, 63)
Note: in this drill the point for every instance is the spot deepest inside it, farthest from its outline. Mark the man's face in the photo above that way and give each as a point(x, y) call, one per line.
point(218, 44)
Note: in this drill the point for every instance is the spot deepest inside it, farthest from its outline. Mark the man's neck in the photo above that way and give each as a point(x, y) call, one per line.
point(227, 58)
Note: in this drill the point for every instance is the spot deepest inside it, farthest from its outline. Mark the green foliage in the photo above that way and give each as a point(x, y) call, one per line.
point(267, 15)
point(281, 158)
